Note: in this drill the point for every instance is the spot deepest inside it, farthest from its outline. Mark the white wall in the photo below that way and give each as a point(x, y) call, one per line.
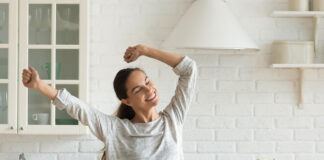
point(243, 109)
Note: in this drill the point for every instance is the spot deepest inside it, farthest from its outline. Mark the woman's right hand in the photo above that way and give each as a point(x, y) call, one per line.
point(132, 53)
point(30, 78)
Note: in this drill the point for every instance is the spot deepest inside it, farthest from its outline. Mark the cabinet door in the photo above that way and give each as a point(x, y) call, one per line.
point(8, 66)
point(52, 40)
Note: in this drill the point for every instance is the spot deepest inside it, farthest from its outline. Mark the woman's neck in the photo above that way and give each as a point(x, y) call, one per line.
point(146, 117)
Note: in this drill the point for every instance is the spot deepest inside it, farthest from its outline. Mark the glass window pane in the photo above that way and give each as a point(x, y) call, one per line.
point(67, 24)
point(62, 117)
point(4, 16)
point(40, 21)
point(67, 64)
point(3, 104)
point(39, 108)
point(4, 63)
point(40, 59)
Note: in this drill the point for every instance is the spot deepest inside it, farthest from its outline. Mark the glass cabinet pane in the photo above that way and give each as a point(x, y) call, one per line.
point(40, 20)
point(4, 14)
point(40, 59)
point(67, 24)
point(3, 63)
point(67, 64)
point(39, 108)
point(3, 104)
point(62, 117)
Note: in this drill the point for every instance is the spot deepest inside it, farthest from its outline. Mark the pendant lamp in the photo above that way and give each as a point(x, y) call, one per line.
point(209, 24)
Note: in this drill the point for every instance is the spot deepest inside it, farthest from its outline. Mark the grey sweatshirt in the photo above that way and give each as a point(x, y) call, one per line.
point(124, 140)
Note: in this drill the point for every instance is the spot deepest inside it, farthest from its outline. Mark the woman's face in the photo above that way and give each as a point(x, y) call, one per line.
point(141, 92)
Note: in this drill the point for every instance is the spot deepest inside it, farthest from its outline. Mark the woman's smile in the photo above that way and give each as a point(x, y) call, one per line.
point(152, 97)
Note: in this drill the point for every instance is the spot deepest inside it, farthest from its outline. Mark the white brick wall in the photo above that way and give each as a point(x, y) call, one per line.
point(252, 147)
point(296, 147)
point(242, 110)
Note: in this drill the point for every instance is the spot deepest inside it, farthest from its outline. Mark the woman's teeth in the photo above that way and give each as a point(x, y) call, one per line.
point(152, 97)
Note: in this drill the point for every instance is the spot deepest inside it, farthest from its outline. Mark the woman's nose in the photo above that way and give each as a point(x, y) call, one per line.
point(149, 88)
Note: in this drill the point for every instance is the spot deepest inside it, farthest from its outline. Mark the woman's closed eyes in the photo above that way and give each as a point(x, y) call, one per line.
point(147, 83)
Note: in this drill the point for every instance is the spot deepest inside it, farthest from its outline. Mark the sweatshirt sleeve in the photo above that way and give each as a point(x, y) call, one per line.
point(99, 123)
point(185, 90)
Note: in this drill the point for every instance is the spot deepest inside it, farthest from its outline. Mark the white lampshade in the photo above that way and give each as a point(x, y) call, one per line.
point(209, 24)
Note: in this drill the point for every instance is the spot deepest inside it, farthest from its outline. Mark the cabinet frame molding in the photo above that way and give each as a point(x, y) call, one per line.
point(11, 127)
point(52, 129)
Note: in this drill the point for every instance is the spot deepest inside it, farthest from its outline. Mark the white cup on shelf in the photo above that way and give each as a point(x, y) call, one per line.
point(318, 5)
point(298, 5)
point(41, 118)
point(293, 52)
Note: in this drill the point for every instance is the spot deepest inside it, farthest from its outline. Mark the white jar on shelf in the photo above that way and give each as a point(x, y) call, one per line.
point(293, 52)
point(298, 5)
point(318, 5)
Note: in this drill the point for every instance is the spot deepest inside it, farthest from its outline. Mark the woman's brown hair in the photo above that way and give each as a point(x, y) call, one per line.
point(124, 111)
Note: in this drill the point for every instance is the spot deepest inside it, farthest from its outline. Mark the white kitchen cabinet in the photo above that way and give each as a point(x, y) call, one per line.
point(8, 66)
point(53, 39)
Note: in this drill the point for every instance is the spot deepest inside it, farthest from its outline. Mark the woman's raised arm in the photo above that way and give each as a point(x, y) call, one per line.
point(31, 80)
point(99, 123)
point(132, 53)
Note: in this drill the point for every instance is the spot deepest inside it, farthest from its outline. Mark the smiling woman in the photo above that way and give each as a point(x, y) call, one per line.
point(124, 110)
point(140, 93)
point(137, 131)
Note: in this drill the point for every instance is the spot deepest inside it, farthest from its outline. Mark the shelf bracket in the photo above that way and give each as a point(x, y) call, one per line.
point(301, 88)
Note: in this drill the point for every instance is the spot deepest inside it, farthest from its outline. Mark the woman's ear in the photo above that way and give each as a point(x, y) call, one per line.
point(125, 101)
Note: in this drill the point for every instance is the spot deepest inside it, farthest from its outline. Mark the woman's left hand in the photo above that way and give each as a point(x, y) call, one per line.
point(132, 53)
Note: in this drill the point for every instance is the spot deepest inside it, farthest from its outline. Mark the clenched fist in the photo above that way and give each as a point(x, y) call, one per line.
point(132, 53)
point(30, 78)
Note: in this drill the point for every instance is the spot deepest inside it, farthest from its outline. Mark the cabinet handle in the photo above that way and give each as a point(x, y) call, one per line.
point(11, 127)
point(21, 128)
